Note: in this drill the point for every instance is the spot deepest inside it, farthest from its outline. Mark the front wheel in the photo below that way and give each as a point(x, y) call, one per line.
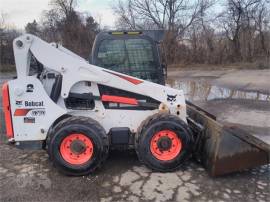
point(163, 142)
point(77, 145)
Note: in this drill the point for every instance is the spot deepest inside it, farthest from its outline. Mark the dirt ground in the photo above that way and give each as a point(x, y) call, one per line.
point(29, 176)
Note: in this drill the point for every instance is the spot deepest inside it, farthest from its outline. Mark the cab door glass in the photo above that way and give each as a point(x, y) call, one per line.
point(112, 55)
point(134, 57)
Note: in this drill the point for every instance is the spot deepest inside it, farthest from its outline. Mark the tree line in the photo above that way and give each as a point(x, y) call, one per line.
point(196, 32)
point(204, 31)
point(61, 23)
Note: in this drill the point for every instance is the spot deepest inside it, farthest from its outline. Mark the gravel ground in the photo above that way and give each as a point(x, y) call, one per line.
point(29, 176)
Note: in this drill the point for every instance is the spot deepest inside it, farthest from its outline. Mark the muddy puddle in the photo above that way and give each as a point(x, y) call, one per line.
point(202, 90)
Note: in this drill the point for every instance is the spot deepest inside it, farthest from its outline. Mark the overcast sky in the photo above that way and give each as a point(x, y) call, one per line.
point(20, 12)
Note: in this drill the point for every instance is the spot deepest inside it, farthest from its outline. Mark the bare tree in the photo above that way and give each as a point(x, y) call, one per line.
point(2, 36)
point(7, 34)
point(174, 16)
point(238, 36)
point(240, 32)
point(236, 20)
point(33, 28)
point(126, 16)
point(262, 20)
point(64, 24)
point(65, 8)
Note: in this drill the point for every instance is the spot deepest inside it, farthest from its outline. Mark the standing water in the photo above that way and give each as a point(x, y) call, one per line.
point(202, 90)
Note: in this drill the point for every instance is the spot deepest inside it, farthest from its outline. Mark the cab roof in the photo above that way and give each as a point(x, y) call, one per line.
point(155, 35)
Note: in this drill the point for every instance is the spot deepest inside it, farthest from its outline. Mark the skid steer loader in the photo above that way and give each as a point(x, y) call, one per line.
point(78, 111)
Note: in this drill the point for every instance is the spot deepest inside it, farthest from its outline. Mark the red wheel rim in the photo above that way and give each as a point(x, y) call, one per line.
point(165, 145)
point(76, 149)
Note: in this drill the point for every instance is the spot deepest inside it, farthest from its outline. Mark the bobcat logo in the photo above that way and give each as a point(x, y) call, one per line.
point(171, 98)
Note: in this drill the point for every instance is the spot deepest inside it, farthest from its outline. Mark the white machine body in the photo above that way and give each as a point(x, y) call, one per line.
point(33, 111)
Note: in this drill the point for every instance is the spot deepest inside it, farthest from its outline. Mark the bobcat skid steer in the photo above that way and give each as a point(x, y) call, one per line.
point(77, 111)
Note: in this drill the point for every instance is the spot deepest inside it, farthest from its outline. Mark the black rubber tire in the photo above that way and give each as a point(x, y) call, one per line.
point(147, 129)
point(86, 126)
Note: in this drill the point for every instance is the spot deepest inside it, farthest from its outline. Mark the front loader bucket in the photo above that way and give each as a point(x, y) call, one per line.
point(224, 149)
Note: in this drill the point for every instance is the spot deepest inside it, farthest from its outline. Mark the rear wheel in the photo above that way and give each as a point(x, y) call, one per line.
point(77, 145)
point(163, 142)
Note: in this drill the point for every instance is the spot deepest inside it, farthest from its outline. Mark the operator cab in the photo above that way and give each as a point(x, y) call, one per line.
point(135, 53)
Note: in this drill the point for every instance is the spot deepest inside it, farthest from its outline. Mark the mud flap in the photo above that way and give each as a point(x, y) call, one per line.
point(224, 149)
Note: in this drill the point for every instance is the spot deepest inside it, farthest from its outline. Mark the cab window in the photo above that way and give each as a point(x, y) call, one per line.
point(134, 57)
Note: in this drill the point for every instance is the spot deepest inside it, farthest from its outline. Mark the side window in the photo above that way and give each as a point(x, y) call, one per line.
point(140, 53)
point(141, 59)
point(133, 56)
point(112, 54)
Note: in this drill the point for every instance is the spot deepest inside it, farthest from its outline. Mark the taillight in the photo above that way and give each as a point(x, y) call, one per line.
point(7, 111)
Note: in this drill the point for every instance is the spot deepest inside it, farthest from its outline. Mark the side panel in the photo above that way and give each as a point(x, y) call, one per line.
point(117, 118)
point(32, 110)
point(7, 112)
point(110, 118)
